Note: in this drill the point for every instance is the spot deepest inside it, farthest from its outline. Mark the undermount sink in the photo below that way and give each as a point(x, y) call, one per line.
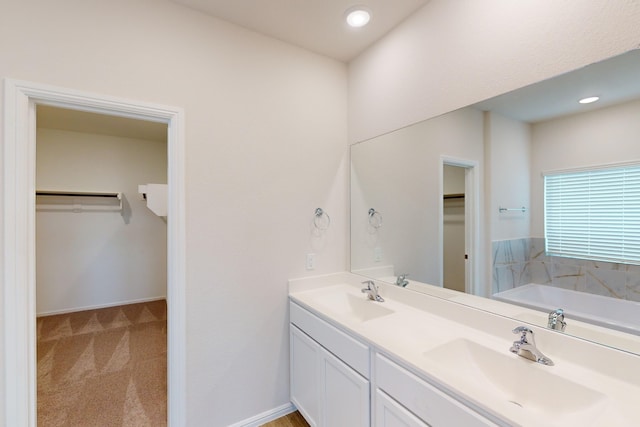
point(519, 385)
point(355, 307)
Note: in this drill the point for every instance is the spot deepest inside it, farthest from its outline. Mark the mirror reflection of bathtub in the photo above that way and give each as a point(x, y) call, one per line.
point(619, 314)
point(520, 303)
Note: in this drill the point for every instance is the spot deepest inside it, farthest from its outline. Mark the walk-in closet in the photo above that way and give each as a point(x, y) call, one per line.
point(101, 269)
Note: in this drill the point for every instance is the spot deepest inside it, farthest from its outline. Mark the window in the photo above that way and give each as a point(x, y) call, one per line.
point(594, 214)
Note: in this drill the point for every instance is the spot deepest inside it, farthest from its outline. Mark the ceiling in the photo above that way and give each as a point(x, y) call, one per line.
point(316, 25)
point(319, 26)
point(102, 124)
point(614, 80)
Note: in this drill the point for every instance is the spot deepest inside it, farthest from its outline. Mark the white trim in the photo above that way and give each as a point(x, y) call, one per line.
point(471, 219)
point(18, 245)
point(267, 416)
point(99, 306)
point(589, 168)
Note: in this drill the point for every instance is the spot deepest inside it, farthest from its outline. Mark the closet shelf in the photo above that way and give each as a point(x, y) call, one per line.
point(78, 201)
point(156, 197)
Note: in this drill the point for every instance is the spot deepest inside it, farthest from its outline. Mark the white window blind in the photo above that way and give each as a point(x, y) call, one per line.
point(594, 214)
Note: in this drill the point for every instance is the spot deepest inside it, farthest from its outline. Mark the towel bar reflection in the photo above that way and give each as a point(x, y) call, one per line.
point(321, 220)
point(522, 209)
point(375, 219)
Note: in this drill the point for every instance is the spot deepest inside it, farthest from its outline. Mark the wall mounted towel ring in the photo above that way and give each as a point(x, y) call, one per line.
point(375, 219)
point(321, 220)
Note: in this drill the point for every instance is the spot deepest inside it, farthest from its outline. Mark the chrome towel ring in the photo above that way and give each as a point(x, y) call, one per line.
point(321, 221)
point(375, 219)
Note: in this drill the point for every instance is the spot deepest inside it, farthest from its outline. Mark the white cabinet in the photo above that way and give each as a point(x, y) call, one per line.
point(327, 391)
point(344, 395)
point(390, 413)
point(330, 386)
point(343, 346)
point(305, 371)
point(424, 400)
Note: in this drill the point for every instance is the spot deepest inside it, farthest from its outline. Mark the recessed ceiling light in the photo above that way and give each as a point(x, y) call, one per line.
point(358, 16)
point(589, 100)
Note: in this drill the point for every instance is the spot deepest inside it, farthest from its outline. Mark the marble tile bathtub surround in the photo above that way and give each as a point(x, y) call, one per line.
point(520, 261)
point(508, 276)
point(510, 264)
point(511, 251)
point(568, 276)
point(633, 286)
point(610, 283)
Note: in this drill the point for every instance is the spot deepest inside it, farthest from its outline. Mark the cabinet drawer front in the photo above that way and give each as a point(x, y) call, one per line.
point(390, 413)
point(427, 402)
point(346, 348)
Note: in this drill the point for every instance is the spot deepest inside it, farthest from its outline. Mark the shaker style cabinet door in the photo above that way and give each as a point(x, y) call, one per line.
point(344, 394)
point(305, 361)
point(390, 413)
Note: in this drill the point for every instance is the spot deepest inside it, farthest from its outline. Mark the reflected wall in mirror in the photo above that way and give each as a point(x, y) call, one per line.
point(513, 139)
point(400, 176)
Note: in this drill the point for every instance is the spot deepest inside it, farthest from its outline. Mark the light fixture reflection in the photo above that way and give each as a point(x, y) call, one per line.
point(589, 100)
point(358, 17)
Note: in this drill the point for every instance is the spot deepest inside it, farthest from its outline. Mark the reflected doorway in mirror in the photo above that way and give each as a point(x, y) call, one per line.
point(458, 224)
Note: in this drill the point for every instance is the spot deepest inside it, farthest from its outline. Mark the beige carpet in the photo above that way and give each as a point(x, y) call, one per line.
point(103, 367)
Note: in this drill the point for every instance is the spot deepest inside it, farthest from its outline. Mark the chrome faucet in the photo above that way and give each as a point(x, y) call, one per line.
point(372, 291)
point(402, 280)
point(556, 320)
point(526, 346)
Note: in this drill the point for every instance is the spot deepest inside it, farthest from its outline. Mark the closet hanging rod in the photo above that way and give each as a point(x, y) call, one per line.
point(454, 196)
point(77, 194)
point(78, 201)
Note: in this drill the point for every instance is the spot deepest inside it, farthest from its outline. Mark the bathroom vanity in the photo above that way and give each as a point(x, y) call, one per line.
point(420, 360)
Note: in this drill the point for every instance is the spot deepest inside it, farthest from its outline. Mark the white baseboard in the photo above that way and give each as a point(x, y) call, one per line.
point(95, 307)
point(267, 416)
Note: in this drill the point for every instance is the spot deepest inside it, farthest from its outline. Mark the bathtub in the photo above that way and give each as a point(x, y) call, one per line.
point(613, 313)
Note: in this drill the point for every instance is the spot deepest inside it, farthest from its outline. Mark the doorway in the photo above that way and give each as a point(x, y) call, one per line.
point(454, 250)
point(458, 224)
point(19, 331)
point(101, 262)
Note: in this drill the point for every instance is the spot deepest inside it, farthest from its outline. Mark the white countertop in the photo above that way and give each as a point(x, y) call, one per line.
point(454, 347)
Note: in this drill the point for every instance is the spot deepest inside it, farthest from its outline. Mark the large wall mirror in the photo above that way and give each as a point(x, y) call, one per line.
point(454, 205)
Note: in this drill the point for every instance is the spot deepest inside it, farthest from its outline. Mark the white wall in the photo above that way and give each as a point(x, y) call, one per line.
point(92, 258)
point(607, 135)
point(508, 175)
point(266, 144)
point(453, 180)
point(398, 174)
point(454, 53)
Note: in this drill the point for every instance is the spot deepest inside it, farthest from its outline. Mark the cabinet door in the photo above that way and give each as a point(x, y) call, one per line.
point(344, 394)
point(305, 359)
point(390, 413)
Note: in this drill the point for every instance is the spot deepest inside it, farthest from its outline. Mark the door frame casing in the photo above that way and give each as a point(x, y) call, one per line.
point(18, 239)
